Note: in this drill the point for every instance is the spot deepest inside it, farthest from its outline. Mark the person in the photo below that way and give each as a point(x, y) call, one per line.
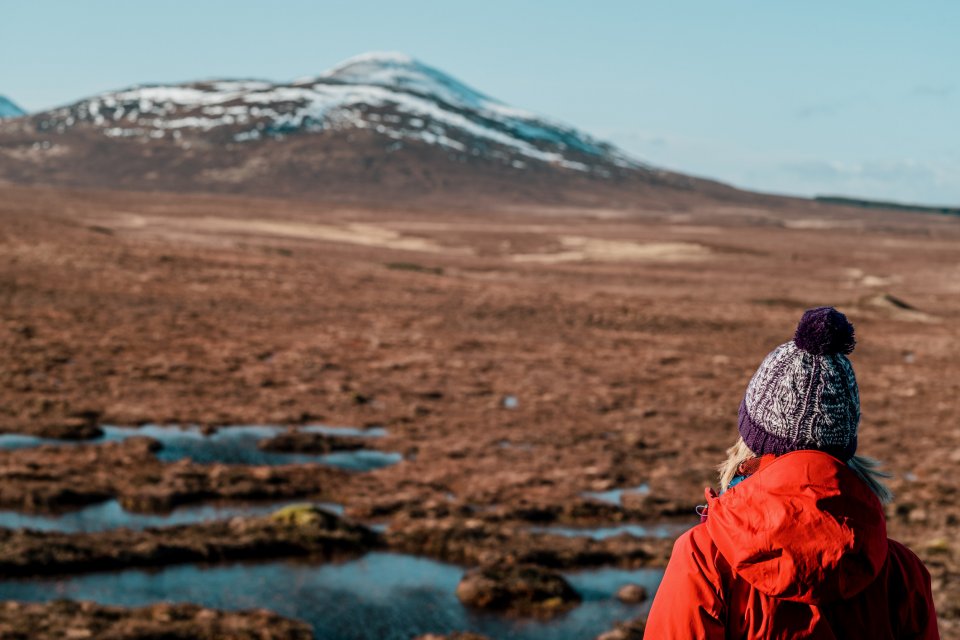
point(795, 545)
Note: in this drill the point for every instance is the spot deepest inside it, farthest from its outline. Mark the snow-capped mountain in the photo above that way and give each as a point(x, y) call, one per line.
point(9, 109)
point(377, 125)
point(389, 93)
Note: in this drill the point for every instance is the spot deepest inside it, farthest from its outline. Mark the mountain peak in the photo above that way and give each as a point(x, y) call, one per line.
point(9, 109)
point(402, 72)
point(381, 58)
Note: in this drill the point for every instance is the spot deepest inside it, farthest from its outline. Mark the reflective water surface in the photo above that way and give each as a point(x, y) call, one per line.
point(381, 596)
point(667, 530)
point(230, 445)
point(110, 515)
point(615, 496)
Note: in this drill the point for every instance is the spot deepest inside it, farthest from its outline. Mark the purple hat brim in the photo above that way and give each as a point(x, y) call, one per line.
point(762, 442)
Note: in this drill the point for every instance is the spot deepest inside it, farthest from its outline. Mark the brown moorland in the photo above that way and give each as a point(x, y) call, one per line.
point(517, 356)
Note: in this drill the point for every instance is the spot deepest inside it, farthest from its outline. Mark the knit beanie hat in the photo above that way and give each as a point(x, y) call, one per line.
point(804, 395)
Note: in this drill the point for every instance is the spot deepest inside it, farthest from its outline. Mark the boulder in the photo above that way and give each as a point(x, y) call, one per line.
point(632, 594)
point(296, 441)
point(520, 589)
point(630, 630)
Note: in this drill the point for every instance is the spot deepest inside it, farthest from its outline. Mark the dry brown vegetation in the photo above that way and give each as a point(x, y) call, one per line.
point(627, 339)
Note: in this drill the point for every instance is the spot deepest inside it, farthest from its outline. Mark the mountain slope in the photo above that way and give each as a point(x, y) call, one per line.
point(376, 127)
point(9, 109)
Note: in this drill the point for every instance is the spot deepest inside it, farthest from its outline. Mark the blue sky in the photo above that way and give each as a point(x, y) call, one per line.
point(855, 97)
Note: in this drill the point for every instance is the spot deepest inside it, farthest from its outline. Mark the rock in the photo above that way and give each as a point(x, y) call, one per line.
point(918, 515)
point(304, 515)
point(68, 428)
point(632, 630)
point(938, 546)
point(632, 593)
point(526, 590)
point(296, 441)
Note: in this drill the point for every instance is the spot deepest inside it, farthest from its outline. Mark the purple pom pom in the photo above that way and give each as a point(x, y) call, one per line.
point(824, 331)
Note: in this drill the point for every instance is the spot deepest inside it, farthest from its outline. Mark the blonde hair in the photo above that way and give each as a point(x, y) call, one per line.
point(867, 469)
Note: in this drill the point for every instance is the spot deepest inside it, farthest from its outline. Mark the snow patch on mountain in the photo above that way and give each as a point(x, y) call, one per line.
point(400, 71)
point(8, 109)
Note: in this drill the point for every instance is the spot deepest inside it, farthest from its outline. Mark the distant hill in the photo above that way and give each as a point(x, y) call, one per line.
point(880, 204)
point(9, 109)
point(378, 127)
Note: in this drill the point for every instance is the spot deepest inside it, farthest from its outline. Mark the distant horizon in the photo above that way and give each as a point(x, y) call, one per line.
point(856, 100)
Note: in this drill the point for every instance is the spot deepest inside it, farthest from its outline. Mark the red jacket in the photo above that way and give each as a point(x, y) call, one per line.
point(797, 550)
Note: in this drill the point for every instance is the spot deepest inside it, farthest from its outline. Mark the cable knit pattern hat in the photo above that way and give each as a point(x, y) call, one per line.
point(804, 395)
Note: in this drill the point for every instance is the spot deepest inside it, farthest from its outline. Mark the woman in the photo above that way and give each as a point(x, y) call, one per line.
point(795, 545)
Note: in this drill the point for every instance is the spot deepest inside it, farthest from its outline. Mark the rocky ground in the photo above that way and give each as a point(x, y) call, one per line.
point(53, 478)
point(300, 532)
point(467, 539)
point(517, 358)
point(79, 620)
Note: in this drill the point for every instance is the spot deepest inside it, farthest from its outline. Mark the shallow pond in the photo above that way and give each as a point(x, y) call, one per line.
point(230, 445)
point(615, 496)
point(110, 515)
point(667, 530)
point(381, 596)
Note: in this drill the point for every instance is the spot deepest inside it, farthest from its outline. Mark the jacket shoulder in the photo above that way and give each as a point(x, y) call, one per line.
point(908, 585)
point(690, 600)
point(695, 547)
point(696, 537)
point(909, 563)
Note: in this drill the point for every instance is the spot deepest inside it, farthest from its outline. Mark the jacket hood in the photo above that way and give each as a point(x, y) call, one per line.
point(804, 527)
